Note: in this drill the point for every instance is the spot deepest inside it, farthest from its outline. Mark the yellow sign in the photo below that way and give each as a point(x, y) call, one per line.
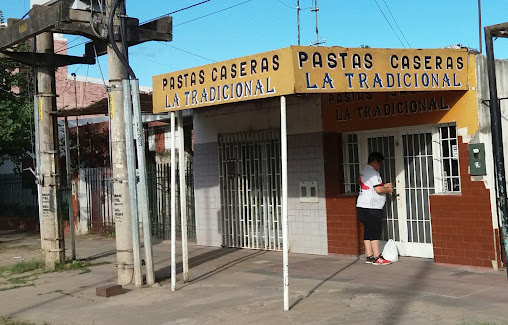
point(303, 69)
point(111, 107)
point(252, 77)
point(337, 69)
point(40, 108)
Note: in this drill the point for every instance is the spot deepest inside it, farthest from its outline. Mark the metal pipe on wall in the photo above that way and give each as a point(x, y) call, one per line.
point(143, 189)
point(497, 138)
point(183, 197)
point(284, 162)
point(131, 175)
point(173, 204)
point(70, 187)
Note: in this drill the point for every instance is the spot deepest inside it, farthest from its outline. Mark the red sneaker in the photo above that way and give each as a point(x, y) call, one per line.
point(381, 261)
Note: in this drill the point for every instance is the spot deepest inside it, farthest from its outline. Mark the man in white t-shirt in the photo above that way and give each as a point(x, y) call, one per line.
point(369, 207)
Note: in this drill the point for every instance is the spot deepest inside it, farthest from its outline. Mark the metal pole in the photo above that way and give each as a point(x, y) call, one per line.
point(497, 139)
point(298, 19)
point(121, 204)
point(37, 142)
point(183, 197)
point(173, 204)
point(131, 172)
point(316, 10)
point(143, 189)
point(285, 241)
point(38, 164)
point(51, 232)
point(480, 24)
point(70, 188)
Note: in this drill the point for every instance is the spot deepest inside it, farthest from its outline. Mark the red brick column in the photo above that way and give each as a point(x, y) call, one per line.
point(462, 231)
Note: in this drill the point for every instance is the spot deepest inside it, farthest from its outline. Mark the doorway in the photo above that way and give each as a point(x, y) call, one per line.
point(409, 166)
point(250, 185)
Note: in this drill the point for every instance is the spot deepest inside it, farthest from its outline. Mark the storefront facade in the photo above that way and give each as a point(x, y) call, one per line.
point(421, 108)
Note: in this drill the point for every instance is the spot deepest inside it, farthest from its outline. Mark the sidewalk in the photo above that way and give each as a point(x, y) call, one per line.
point(232, 286)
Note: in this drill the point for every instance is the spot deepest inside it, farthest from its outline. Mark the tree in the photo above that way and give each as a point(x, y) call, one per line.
point(16, 91)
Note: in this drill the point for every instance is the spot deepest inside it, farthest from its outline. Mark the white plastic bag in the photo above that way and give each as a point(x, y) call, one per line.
point(390, 251)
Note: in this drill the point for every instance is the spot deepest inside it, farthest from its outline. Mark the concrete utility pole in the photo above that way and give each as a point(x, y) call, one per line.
point(51, 227)
point(121, 205)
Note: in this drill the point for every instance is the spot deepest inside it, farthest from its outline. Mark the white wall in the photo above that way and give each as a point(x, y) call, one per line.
point(307, 221)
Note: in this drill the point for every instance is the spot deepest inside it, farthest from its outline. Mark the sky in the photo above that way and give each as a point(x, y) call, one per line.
point(219, 30)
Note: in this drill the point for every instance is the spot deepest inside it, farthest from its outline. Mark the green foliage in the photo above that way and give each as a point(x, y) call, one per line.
point(22, 267)
point(8, 320)
point(76, 265)
point(16, 91)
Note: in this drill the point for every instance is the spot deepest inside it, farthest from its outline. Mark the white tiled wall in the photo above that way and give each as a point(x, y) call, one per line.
point(207, 194)
point(307, 221)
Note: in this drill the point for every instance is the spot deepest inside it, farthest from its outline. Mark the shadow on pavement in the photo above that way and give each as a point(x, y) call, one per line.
point(321, 283)
point(165, 273)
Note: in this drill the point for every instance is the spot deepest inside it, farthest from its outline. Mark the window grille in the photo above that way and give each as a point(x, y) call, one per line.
point(351, 163)
point(450, 172)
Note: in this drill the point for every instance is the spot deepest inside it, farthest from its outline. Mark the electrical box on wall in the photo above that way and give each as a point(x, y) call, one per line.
point(309, 191)
point(477, 159)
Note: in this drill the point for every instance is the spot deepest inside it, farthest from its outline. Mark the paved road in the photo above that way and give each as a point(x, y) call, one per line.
point(231, 286)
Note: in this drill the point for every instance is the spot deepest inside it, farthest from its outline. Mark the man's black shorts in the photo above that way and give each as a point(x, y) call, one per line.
point(372, 222)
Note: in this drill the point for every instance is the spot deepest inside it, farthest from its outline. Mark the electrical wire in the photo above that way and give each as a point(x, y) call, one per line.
point(400, 30)
point(390, 24)
point(62, 48)
point(112, 41)
point(212, 13)
point(286, 5)
point(185, 51)
point(70, 47)
point(173, 12)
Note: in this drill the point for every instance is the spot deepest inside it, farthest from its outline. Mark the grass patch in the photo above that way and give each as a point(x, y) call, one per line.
point(7, 320)
point(17, 287)
point(77, 265)
point(21, 279)
point(33, 268)
point(22, 267)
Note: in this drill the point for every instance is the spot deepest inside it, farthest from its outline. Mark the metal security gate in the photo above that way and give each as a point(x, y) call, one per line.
point(408, 165)
point(386, 145)
point(99, 202)
point(250, 183)
point(159, 199)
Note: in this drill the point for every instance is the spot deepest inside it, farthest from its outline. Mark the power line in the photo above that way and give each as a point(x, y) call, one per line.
point(182, 9)
point(212, 13)
point(400, 30)
point(389, 23)
point(286, 5)
point(176, 48)
point(67, 44)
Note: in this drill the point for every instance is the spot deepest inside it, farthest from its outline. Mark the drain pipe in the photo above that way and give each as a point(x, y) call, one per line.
point(497, 137)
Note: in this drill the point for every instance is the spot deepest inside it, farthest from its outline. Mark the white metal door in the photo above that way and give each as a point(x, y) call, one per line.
point(250, 182)
point(409, 167)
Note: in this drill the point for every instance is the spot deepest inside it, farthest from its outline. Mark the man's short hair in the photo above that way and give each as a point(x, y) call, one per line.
point(375, 156)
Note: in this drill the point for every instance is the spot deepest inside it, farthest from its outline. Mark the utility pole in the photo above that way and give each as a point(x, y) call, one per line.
point(298, 19)
point(121, 204)
point(315, 10)
point(51, 226)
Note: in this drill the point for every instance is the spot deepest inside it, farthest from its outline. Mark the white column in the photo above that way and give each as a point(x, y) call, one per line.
point(284, 161)
point(183, 197)
point(173, 204)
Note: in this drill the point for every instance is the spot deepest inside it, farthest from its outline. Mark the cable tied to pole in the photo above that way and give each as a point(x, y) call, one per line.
point(112, 40)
